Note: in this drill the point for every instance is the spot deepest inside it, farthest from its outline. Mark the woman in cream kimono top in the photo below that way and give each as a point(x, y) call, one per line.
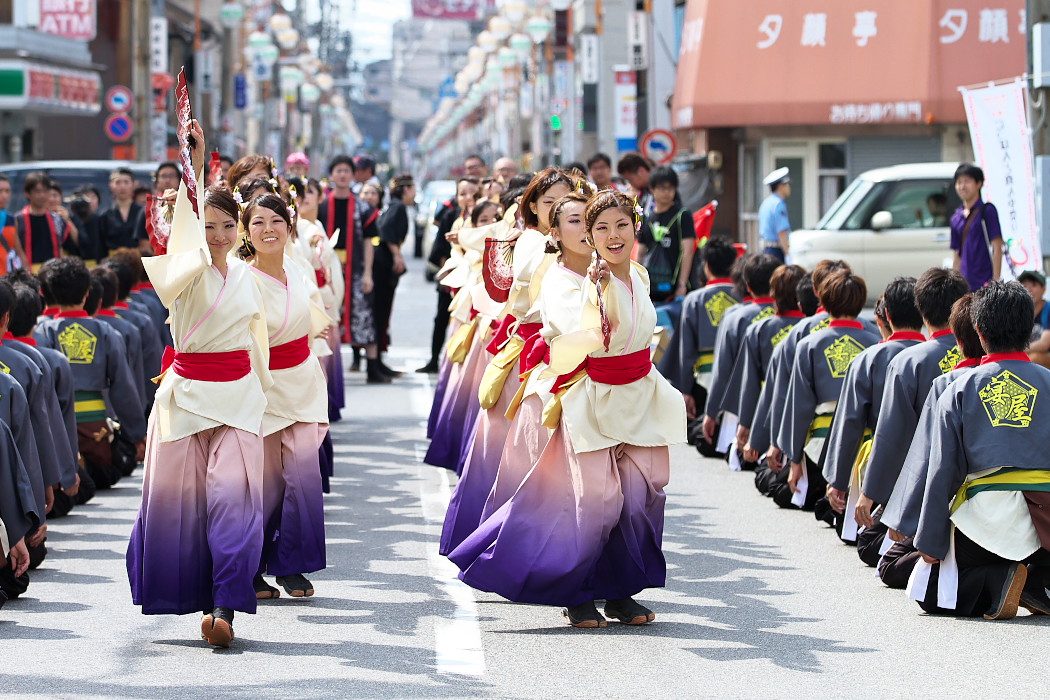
point(299, 394)
point(645, 413)
point(208, 314)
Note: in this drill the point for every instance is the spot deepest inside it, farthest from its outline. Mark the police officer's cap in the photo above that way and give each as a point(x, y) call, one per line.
point(777, 176)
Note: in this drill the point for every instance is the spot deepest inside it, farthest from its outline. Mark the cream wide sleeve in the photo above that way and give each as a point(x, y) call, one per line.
point(260, 348)
point(576, 309)
point(187, 256)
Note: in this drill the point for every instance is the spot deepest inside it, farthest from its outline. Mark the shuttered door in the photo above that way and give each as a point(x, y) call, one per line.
point(867, 153)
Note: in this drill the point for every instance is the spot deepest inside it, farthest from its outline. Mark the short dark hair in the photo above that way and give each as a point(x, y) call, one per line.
point(4, 178)
point(25, 311)
point(757, 273)
point(364, 162)
point(222, 199)
point(807, 298)
point(122, 171)
point(474, 156)
point(969, 170)
point(133, 259)
point(899, 300)
point(661, 175)
point(44, 276)
point(576, 168)
point(87, 189)
point(55, 186)
point(7, 297)
point(480, 208)
point(824, 269)
point(521, 180)
point(341, 160)
point(935, 292)
point(36, 179)
point(784, 286)
point(631, 163)
point(961, 323)
point(719, 255)
point(166, 164)
point(1003, 314)
point(736, 273)
point(125, 276)
point(22, 276)
point(108, 279)
point(598, 158)
point(68, 281)
point(843, 294)
point(94, 297)
point(399, 184)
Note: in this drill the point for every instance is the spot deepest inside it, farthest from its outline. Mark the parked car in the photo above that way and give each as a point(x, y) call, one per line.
point(71, 174)
point(889, 222)
point(431, 197)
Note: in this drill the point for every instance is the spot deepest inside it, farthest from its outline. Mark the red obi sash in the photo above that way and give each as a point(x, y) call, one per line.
point(207, 366)
point(617, 370)
point(290, 354)
point(502, 334)
point(533, 353)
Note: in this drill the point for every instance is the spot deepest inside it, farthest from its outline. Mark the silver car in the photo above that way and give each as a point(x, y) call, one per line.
point(889, 222)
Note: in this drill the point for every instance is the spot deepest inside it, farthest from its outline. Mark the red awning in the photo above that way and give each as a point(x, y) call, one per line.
point(769, 62)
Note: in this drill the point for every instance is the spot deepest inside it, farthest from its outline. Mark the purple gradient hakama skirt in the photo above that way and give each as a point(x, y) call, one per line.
point(333, 369)
point(199, 532)
point(580, 527)
point(479, 470)
point(459, 407)
point(524, 445)
point(444, 375)
point(293, 505)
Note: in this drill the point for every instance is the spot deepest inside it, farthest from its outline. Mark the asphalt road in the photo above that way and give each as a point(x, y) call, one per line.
point(759, 602)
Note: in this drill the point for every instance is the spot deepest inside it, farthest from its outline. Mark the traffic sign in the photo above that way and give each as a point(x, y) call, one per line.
point(119, 99)
point(119, 127)
point(659, 145)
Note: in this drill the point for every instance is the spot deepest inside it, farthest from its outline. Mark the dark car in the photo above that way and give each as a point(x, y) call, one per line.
point(71, 174)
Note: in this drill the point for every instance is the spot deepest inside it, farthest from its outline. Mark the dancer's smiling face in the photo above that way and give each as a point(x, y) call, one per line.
point(268, 229)
point(613, 235)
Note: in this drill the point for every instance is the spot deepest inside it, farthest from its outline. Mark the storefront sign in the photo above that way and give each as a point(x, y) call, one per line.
point(73, 19)
point(999, 129)
point(47, 89)
point(589, 59)
point(158, 45)
point(626, 99)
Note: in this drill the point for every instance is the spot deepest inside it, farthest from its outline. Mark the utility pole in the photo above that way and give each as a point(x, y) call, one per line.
point(1037, 13)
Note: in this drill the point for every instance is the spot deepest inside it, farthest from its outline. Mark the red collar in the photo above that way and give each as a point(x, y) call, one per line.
point(28, 340)
point(718, 280)
point(821, 310)
point(792, 314)
point(121, 305)
point(107, 312)
point(747, 300)
point(762, 300)
point(941, 334)
point(49, 311)
point(1000, 356)
point(79, 313)
point(846, 323)
point(969, 362)
point(906, 335)
point(142, 285)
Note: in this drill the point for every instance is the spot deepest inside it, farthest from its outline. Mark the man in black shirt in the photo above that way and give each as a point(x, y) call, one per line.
point(117, 224)
point(666, 239)
point(42, 232)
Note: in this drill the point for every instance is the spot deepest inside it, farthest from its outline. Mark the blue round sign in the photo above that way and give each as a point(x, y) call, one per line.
point(119, 127)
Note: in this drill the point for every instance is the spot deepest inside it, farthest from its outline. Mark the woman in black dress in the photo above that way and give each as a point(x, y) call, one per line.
point(389, 265)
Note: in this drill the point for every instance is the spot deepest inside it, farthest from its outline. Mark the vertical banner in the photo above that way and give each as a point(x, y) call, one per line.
point(626, 98)
point(999, 129)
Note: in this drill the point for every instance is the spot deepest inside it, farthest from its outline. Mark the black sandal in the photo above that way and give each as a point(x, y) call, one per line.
point(296, 585)
point(629, 612)
point(263, 590)
point(585, 616)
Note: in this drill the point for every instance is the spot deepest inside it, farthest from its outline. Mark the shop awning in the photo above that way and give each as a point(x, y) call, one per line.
point(769, 62)
point(38, 87)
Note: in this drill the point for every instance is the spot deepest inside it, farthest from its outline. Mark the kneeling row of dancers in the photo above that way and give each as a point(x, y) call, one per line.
point(864, 423)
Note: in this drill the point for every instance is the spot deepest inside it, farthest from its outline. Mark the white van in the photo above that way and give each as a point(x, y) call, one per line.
point(889, 222)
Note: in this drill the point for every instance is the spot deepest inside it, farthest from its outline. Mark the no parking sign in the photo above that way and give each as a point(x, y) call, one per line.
point(659, 146)
point(119, 128)
point(118, 99)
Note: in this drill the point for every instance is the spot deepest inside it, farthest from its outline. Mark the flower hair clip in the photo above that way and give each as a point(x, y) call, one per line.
point(292, 192)
point(638, 214)
point(275, 184)
point(237, 198)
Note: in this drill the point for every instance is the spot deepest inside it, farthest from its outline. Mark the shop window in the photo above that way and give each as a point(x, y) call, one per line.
point(831, 174)
point(750, 180)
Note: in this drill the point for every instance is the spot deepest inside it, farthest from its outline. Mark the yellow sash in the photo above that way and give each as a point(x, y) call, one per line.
point(860, 464)
point(552, 411)
point(820, 427)
point(459, 343)
point(704, 363)
point(498, 371)
point(1006, 479)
